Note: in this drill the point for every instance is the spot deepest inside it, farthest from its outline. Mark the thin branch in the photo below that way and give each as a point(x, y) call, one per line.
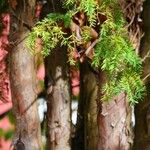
point(53, 5)
point(144, 79)
point(132, 20)
point(126, 6)
point(91, 46)
point(78, 31)
point(16, 43)
point(29, 27)
point(146, 56)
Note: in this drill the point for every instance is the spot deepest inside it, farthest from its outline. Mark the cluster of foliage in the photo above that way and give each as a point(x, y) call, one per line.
point(113, 53)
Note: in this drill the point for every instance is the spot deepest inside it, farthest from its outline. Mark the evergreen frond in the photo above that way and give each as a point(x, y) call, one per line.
point(90, 8)
point(69, 3)
point(65, 18)
point(113, 54)
point(49, 32)
point(116, 56)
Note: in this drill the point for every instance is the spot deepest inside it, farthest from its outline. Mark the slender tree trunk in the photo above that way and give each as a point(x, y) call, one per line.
point(58, 92)
point(87, 131)
point(142, 110)
point(58, 101)
point(22, 77)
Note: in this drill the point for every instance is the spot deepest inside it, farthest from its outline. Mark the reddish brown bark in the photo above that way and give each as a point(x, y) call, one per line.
point(22, 77)
point(58, 101)
point(102, 126)
point(58, 92)
point(114, 123)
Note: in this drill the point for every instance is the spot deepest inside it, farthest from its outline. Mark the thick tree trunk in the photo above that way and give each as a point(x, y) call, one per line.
point(23, 82)
point(142, 110)
point(101, 126)
point(58, 101)
point(114, 123)
point(87, 130)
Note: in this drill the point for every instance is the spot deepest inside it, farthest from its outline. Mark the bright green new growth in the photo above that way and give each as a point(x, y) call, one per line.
point(50, 33)
point(113, 53)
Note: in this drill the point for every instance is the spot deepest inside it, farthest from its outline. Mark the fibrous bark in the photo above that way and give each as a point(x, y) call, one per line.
point(22, 77)
point(114, 123)
point(132, 12)
point(58, 91)
point(58, 101)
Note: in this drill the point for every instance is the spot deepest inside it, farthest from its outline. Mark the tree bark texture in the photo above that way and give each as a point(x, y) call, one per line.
point(87, 130)
point(58, 101)
point(23, 80)
point(58, 92)
point(114, 123)
point(142, 109)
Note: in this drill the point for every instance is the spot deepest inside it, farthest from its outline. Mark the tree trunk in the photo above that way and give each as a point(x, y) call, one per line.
point(113, 118)
point(142, 109)
point(114, 123)
point(22, 77)
point(87, 131)
point(58, 101)
point(58, 92)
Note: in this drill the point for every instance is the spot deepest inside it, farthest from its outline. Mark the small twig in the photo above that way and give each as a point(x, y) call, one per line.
point(24, 6)
point(53, 5)
point(78, 31)
point(144, 79)
point(24, 23)
point(146, 56)
point(16, 43)
point(28, 107)
point(127, 7)
point(91, 46)
point(132, 20)
point(81, 51)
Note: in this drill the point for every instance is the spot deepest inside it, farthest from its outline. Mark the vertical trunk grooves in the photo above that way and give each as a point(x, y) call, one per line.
point(23, 80)
point(58, 92)
point(87, 131)
point(114, 122)
point(58, 101)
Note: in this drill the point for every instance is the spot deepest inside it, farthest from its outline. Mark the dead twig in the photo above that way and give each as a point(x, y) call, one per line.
point(146, 56)
point(91, 46)
point(147, 76)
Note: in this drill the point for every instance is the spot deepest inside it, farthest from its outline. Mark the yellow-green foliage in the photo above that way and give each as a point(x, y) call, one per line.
point(113, 53)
